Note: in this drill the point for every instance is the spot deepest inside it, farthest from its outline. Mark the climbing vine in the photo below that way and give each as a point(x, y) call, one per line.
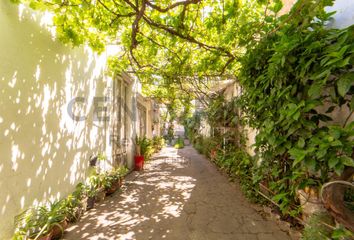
point(297, 82)
point(187, 43)
point(295, 79)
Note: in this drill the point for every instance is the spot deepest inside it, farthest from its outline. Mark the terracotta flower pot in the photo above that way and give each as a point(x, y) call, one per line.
point(76, 215)
point(310, 202)
point(48, 236)
point(90, 203)
point(213, 154)
point(101, 195)
point(58, 232)
point(83, 204)
point(112, 189)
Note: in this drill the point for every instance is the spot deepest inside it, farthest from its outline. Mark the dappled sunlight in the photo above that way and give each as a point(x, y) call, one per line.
point(45, 152)
point(174, 200)
point(156, 198)
point(88, 89)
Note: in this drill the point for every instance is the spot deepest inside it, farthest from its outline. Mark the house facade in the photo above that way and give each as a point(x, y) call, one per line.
point(58, 110)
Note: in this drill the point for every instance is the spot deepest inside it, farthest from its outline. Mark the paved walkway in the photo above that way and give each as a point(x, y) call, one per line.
point(180, 195)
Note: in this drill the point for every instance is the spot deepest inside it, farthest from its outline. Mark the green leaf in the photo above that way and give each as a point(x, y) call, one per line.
point(344, 62)
point(341, 233)
point(330, 109)
point(297, 154)
point(321, 75)
point(277, 6)
point(296, 115)
point(311, 163)
point(339, 168)
point(344, 83)
point(336, 143)
point(321, 153)
point(279, 197)
point(347, 161)
point(301, 143)
point(37, 6)
point(311, 104)
point(335, 132)
point(315, 90)
point(333, 162)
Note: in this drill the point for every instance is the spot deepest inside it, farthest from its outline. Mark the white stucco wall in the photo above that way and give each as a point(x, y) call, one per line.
point(344, 16)
point(44, 152)
point(147, 104)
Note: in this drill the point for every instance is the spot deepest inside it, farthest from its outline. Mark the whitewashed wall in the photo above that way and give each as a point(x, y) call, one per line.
point(44, 152)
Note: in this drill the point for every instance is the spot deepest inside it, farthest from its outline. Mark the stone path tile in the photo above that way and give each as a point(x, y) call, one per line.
point(181, 196)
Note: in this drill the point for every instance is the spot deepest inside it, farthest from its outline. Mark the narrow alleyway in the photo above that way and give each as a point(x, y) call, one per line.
point(180, 195)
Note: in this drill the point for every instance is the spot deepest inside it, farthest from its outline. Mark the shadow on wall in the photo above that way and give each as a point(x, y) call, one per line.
point(44, 153)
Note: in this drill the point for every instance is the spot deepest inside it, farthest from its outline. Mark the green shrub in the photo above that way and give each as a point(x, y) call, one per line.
point(210, 145)
point(292, 82)
point(179, 143)
point(198, 144)
point(239, 165)
point(39, 221)
point(158, 143)
point(315, 230)
point(144, 147)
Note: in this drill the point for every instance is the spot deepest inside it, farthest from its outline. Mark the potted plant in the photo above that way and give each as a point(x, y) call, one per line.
point(91, 197)
point(144, 150)
point(57, 218)
point(80, 194)
point(122, 172)
point(72, 205)
point(310, 201)
point(139, 157)
point(41, 222)
point(100, 191)
point(110, 182)
point(31, 224)
point(95, 190)
point(158, 143)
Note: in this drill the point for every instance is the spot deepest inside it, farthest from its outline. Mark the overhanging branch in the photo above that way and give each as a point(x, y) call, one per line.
point(174, 5)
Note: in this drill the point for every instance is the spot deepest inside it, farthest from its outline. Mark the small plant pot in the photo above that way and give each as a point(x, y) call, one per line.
point(90, 203)
point(76, 215)
point(213, 154)
point(48, 236)
point(101, 195)
point(139, 163)
point(83, 204)
point(310, 202)
point(58, 231)
point(112, 189)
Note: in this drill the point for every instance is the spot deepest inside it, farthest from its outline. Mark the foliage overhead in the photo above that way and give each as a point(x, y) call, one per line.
point(172, 44)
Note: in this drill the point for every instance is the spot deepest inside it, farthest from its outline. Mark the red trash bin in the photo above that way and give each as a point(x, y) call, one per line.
point(139, 163)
